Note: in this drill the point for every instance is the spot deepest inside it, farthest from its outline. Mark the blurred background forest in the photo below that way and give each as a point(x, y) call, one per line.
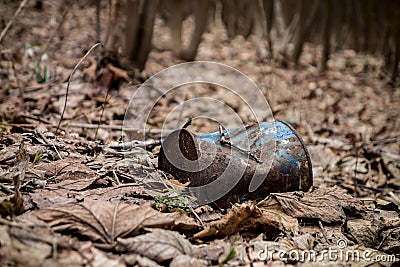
point(281, 27)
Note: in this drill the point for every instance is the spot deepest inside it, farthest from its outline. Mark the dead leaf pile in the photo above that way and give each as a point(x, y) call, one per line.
point(80, 198)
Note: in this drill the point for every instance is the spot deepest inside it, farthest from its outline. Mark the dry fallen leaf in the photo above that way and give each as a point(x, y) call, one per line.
point(249, 216)
point(365, 232)
point(328, 204)
point(71, 173)
point(111, 76)
point(159, 245)
point(185, 260)
point(103, 221)
point(14, 204)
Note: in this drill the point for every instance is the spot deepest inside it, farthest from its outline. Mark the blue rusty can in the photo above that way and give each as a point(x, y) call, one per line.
point(238, 164)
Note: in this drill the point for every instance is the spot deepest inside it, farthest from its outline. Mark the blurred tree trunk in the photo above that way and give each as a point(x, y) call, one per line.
point(355, 24)
point(289, 35)
point(259, 28)
point(301, 32)
point(395, 48)
point(269, 16)
point(342, 13)
point(140, 17)
point(326, 34)
point(200, 18)
point(175, 17)
point(114, 15)
point(229, 16)
point(131, 28)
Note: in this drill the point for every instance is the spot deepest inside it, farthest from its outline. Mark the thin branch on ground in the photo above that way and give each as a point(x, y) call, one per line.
point(5, 30)
point(69, 81)
point(103, 107)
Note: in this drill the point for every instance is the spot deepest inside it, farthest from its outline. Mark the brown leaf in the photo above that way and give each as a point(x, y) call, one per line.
point(159, 245)
point(103, 221)
point(44, 198)
point(365, 232)
point(183, 222)
point(71, 172)
point(185, 260)
point(328, 205)
point(236, 220)
point(27, 241)
point(274, 217)
point(12, 205)
point(248, 216)
point(110, 76)
point(100, 258)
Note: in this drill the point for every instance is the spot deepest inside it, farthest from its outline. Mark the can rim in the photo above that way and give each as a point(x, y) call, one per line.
point(310, 172)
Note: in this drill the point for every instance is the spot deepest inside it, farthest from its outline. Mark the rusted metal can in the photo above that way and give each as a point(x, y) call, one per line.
point(238, 164)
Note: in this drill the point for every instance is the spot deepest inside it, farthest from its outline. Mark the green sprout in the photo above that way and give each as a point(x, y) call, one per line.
point(231, 254)
point(4, 125)
point(38, 158)
point(42, 73)
point(177, 203)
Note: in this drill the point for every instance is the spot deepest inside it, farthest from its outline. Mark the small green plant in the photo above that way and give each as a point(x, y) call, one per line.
point(176, 203)
point(42, 73)
point(231, 254)
point(4, 125)
point(38, 158)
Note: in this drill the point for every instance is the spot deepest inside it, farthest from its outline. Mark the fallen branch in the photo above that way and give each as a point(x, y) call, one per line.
point(5, 30)
point(69, 81)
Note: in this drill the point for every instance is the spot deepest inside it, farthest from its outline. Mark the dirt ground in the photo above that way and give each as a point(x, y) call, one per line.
point(72, 197)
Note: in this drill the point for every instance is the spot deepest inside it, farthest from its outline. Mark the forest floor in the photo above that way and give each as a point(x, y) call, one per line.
point(72, 197)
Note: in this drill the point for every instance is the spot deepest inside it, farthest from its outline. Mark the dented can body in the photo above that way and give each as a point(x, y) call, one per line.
point(255, 160)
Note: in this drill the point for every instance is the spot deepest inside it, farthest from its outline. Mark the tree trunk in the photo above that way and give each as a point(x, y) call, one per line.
point(201, 16)
point(326, 35)
point(269, 15)
point(301, 32)
point(145, 32)
point(131, 28)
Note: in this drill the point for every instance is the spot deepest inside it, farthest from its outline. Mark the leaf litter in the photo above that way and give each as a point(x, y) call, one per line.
point(79, 205)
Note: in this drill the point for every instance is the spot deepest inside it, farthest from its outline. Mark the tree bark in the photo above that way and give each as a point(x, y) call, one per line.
point(301, 32)
point(326, 35)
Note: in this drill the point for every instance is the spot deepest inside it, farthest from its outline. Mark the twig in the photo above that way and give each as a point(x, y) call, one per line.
point(103, 107)
point(98, 20)
point(56, 31)
point(385, 237)
point(187, 123)
point(5, 188)
point(21, 91)
point(355, 193)
point(136, 143)
point(394, 198)
point(21, 6)
point(196, 215)
point(386, 140)
point(50, 143)
point(36, 118)
point(310, 132)
point(116, 177)
point(341, 182)
point(116, 127)
point(69, 81)
point(324, 233)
